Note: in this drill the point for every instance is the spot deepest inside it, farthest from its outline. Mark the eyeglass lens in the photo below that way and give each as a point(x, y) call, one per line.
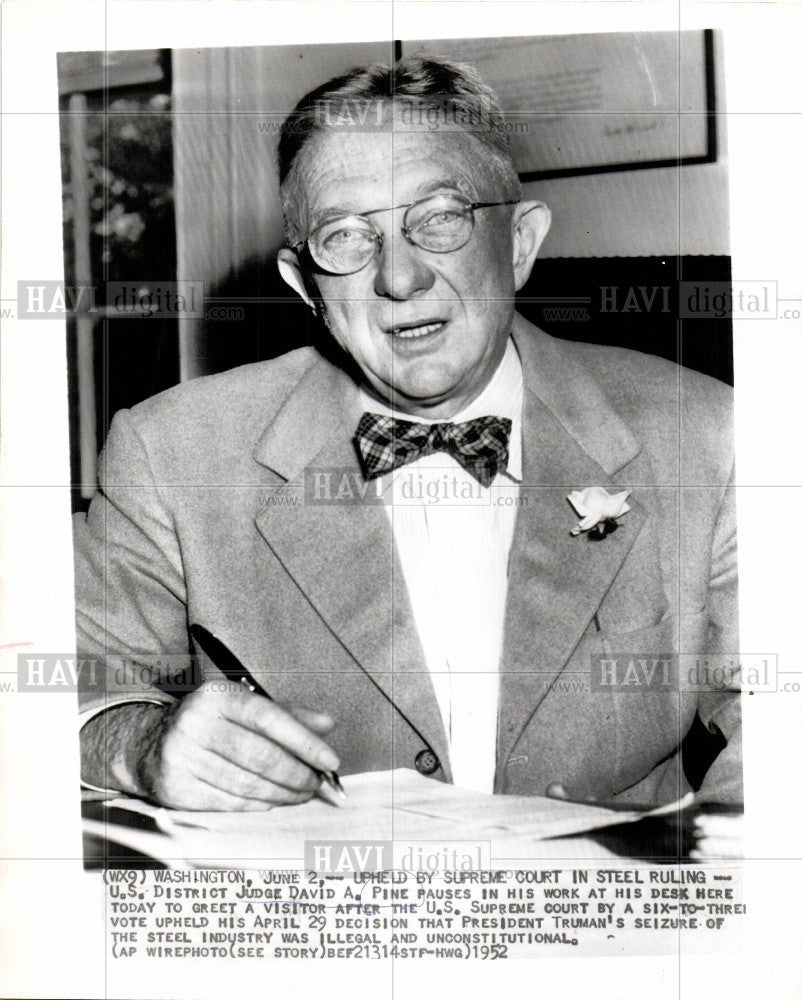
point(440, 224)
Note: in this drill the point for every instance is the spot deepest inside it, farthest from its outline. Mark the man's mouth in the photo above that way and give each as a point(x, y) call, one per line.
point(411, 331)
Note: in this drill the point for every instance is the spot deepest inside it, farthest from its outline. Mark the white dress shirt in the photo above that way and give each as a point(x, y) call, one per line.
point(453, 538)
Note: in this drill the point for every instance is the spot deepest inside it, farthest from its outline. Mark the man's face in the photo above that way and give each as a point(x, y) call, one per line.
point(426, 329)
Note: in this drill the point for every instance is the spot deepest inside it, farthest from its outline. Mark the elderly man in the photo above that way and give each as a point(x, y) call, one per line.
point(443, 605)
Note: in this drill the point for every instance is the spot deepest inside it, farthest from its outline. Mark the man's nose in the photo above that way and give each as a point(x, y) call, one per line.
point(402, 270)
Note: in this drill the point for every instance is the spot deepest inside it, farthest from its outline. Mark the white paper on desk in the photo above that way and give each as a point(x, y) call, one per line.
point(543, 818)
point(397, 806)
point(377, 802)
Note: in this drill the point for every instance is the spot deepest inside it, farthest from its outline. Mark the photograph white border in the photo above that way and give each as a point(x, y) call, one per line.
point(50, 910)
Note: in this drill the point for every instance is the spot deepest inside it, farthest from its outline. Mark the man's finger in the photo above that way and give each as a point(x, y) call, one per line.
point(262, 756)
point(271, 720)
point(206, 796)
point(227, 777)
point(319, 722)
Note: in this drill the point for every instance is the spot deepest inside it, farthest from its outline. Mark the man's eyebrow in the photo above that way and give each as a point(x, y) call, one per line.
point(424, 191)
point(333, 212)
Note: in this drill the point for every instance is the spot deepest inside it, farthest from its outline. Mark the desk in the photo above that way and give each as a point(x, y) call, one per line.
point(393, 807)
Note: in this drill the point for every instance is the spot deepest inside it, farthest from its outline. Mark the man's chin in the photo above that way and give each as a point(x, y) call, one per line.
point(424, 399)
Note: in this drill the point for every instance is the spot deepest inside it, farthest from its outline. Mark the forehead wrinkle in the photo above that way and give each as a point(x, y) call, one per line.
point(323, 170)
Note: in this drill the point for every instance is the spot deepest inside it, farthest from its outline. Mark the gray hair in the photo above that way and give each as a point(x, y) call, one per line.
point(453, 90)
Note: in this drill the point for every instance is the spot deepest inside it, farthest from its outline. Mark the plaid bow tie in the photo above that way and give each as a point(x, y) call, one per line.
point(480, 446)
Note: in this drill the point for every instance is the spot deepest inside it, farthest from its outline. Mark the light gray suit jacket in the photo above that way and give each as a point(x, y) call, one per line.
point(201, 517)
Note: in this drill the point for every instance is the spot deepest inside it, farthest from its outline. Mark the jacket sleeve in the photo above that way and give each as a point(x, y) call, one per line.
point(719, 704)
point(130, 593)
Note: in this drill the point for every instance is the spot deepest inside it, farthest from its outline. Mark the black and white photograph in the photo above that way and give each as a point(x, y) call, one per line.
point(406, 504)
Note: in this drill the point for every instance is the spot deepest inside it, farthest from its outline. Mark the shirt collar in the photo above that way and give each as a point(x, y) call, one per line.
point(501, 397)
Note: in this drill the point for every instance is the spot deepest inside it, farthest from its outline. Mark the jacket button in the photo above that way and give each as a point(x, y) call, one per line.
point(426, 762)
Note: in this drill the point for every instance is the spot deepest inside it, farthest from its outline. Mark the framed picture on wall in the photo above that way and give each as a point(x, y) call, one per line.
point(588, 104)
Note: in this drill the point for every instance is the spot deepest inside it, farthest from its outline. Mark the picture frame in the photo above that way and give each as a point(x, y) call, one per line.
point(580, 113)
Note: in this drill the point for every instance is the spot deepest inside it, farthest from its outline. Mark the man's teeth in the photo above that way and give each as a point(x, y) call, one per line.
point(417, 331)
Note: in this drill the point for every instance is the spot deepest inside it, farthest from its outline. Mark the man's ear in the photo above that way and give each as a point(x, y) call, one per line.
point(290, 270)
point(531, 222)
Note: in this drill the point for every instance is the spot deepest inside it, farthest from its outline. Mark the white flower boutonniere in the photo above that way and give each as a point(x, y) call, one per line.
point(598, 510)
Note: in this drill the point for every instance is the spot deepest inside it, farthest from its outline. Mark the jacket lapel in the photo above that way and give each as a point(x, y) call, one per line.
point(337, 545)
point(342, 555)
point(572, 439)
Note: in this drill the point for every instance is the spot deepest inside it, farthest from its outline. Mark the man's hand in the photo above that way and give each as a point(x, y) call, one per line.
point(219, 750)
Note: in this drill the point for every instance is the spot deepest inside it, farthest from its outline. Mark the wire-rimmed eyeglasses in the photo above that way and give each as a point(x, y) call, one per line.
point(441, 223)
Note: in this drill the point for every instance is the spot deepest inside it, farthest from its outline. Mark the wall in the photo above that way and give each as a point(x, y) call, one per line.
point(637, 213)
